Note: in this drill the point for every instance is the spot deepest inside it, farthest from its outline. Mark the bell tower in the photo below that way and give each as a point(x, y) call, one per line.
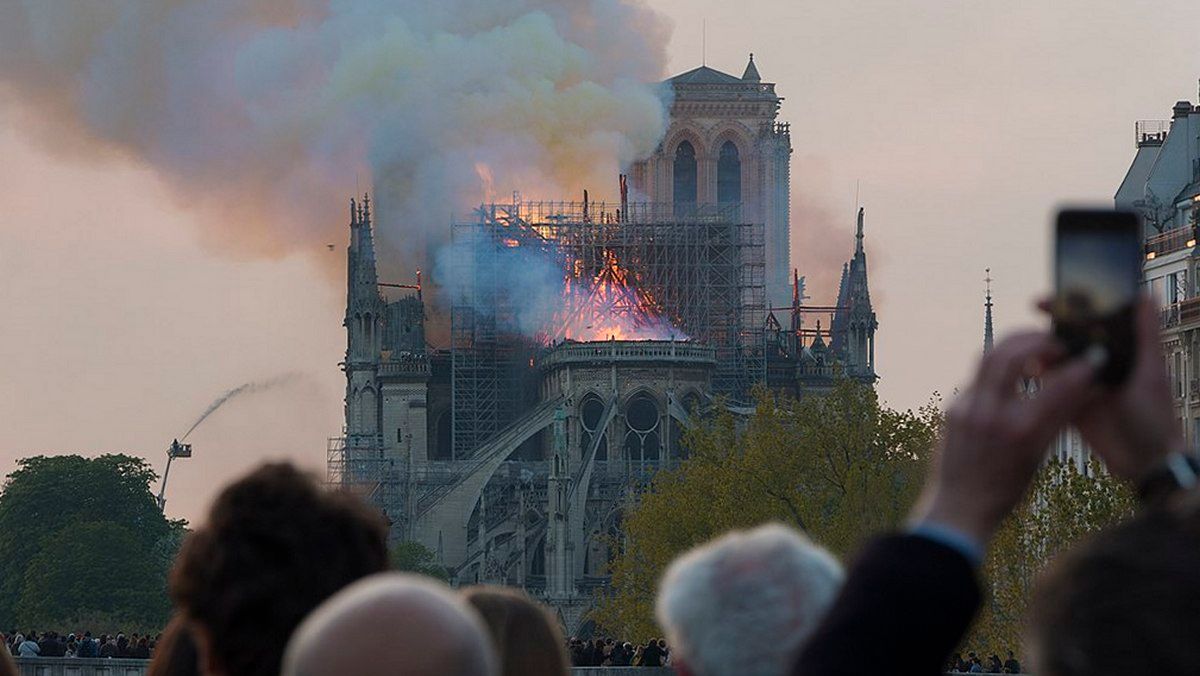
point(724, 145)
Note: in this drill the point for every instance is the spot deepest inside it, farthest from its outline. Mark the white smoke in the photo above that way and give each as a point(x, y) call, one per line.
point(527, 282)
point(268, 112)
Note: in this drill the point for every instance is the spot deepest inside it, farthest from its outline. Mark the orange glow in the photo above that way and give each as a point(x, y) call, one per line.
point(610, 307)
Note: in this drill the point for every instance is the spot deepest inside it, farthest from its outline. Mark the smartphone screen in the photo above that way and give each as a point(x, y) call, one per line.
point(1098, 272)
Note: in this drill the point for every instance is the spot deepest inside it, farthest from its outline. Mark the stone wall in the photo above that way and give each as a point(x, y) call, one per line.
point(68, 666)
point(73, 666)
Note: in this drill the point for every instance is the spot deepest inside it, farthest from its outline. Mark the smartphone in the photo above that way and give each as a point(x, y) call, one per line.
point(1098, 276)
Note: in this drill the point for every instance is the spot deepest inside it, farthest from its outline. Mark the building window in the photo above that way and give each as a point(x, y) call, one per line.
point(1158, 291)
point(684, 184)
point(729, 174)
point(590, 414)
point(1178, 374)
point(641, 441)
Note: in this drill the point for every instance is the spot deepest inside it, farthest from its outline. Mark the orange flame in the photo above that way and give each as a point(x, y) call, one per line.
point(608, 306)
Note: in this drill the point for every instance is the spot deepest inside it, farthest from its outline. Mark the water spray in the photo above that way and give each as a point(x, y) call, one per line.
point(178, 449)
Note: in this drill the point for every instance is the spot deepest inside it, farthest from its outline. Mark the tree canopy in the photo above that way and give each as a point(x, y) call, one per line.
point(83, 537)
point(838, 466)
point(413, 557)
point(1065, 504)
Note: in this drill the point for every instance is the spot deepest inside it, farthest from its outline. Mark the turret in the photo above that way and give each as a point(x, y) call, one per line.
point(854, 324)
point(751, 72)
point(364, 331)
point(364, 304)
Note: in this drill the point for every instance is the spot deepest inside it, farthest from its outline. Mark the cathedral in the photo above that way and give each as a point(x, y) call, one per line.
point(511, 458)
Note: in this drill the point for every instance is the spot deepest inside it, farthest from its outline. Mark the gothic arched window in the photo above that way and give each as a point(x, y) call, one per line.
point(641, 440)
point(729, 174)
point(590, 414)
point(684, 196)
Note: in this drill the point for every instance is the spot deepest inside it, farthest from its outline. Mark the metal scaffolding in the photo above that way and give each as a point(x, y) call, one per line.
point(703, 268)
point(365, 470)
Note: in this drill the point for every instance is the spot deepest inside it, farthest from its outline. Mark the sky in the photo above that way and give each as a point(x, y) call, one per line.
point(960, 125)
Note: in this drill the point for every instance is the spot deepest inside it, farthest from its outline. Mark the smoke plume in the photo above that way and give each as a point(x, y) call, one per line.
point(822, 233)
point(268, 113)
point(246, 388)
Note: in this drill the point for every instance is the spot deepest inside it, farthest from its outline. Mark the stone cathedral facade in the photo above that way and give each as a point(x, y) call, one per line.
point(724, 145)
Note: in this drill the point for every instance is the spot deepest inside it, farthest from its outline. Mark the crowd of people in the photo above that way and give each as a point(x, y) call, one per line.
point(974, 664)
point(606, 652)
point(286, 578)
point(78, 644)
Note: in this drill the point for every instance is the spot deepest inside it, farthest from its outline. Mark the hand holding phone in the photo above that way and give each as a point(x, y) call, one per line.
point(1098, 273)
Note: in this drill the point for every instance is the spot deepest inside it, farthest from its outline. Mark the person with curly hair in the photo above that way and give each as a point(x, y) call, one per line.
point(274, 546)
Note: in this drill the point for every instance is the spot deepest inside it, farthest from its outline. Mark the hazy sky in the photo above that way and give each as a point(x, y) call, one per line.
point(964, 123)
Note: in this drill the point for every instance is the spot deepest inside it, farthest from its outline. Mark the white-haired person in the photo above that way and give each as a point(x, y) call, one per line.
point(744, 603)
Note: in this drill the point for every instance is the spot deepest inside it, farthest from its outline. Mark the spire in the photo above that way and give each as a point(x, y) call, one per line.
point(858, 235)
point(988, 337)
point(852, 335)
point(818, 344)
point(361, 278)
point(751, 74)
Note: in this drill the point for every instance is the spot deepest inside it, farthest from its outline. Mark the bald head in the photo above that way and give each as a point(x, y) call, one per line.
point(391, 623)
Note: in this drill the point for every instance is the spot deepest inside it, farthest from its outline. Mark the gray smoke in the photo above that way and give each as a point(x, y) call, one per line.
point(265, 114)
point(246, 388)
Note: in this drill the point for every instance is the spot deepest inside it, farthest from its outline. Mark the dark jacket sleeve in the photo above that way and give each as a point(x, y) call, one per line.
point(906, 604)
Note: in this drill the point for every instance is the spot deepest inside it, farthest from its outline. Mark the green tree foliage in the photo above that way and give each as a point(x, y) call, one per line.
point(84, 538)
point(413, 557)
point(838, 466)
point(98, 567)
point(1063, 506)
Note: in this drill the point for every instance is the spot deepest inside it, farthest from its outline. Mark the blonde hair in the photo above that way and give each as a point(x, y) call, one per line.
point(526, 637)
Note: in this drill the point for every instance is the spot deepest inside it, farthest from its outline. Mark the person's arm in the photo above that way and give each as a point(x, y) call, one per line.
point(906, 603)
point(909, 598)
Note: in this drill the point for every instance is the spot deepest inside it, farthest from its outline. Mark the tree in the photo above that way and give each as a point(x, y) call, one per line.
point(838, 466)
point(68, 523)
point(413, 557)
point(98, 568)
point(1063, 506)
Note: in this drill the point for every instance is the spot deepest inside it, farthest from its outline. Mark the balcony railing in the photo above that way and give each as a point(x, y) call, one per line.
point(1185, 313)
point(1175, 239)
point(1151, 132)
